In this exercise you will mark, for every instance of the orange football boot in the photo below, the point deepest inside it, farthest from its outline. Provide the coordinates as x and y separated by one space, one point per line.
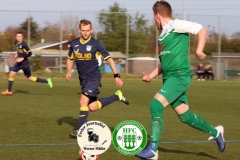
7 92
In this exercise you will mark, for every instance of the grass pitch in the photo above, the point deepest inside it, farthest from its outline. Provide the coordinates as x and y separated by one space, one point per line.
35 121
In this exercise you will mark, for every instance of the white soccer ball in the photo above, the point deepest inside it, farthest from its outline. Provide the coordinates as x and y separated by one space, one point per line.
84 156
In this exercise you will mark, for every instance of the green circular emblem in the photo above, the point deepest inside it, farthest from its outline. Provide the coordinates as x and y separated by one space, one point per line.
129 137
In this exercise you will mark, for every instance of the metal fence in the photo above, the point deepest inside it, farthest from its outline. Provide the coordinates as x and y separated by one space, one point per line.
66 23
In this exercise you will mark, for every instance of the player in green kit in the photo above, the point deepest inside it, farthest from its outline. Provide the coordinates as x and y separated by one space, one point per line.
175 67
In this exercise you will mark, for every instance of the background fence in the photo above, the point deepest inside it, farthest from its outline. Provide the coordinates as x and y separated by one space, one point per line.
132 34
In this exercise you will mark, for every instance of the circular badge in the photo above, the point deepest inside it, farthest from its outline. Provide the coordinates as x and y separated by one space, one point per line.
94 137
129 137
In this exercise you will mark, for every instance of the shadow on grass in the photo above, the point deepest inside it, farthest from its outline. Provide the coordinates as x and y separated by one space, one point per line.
26 92
69 120
202 154
73 122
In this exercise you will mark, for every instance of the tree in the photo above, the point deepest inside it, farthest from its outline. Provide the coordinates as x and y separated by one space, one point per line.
114 26
138 35
7 39
36 62
34 30
51 32
151 39
236 35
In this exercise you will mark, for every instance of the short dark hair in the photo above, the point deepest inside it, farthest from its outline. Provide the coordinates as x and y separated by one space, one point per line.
162 7
19 32
85 22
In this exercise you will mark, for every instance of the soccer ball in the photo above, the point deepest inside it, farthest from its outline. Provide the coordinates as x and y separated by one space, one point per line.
84 156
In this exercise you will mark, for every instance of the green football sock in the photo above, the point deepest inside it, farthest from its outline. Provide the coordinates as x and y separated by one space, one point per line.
197 122
156 122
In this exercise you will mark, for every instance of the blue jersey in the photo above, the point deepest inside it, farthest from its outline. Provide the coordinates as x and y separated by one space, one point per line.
22 51
86 55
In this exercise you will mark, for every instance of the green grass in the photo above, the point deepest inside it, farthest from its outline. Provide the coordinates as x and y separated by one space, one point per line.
35 114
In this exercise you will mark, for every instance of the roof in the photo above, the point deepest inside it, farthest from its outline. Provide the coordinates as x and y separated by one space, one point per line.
117 55
6 54
143 58
226 55
47 44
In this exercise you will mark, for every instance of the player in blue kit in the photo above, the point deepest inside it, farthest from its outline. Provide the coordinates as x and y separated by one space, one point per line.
22 63
85 51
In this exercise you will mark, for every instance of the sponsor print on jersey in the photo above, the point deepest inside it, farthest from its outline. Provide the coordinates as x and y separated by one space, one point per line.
164 53
160 50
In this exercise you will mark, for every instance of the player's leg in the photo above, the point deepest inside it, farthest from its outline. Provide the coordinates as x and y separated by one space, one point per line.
203 75
169 92
104 101
157 105
198 75
11 75
83 113
28 74
181 107
10 83
206 75
87 88
212 76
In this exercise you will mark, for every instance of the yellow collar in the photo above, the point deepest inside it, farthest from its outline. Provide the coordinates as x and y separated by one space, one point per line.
84 41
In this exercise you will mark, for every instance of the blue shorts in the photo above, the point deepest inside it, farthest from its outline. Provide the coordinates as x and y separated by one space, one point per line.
22 66
90 83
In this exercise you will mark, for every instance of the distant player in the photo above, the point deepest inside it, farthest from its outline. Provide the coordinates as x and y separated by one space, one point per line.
22 63
175 67
84 51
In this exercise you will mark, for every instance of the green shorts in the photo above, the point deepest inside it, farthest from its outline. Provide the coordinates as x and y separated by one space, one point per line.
174 90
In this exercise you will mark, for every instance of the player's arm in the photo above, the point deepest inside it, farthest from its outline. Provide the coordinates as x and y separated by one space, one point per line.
26 50
69 63
202 34
111 63
153 74
182 26
15 57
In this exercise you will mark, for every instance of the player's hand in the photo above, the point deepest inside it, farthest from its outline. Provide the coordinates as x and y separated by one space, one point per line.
68 76
200 56
146 78
118 82
20 59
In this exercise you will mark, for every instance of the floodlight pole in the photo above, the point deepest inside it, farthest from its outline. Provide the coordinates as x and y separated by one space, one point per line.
184 9
29 29
127 43
219 48
60 45
95 28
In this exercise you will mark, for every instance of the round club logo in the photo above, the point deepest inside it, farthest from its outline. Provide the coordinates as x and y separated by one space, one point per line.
129 137
94 137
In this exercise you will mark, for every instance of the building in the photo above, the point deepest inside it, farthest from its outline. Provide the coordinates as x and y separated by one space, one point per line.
138 65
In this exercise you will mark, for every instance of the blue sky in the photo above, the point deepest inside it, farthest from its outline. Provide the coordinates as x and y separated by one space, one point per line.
195 9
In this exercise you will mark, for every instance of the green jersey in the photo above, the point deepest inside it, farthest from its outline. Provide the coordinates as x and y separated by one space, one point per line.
173 47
